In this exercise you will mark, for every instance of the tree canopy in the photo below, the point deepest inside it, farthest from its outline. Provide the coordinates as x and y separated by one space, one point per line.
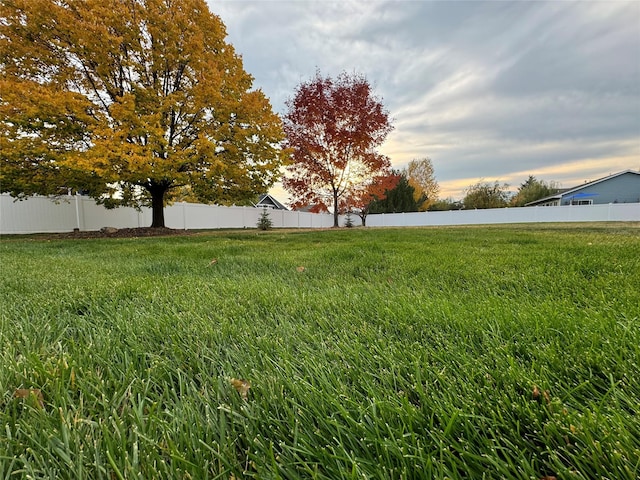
486 195
333 127
445 204
421 177
362 200
533 189
130 101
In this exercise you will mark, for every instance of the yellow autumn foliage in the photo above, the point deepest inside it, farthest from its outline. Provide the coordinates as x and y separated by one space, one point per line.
143 96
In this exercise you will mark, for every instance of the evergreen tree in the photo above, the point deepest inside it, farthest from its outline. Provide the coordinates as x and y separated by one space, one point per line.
532 190
265 222
397 200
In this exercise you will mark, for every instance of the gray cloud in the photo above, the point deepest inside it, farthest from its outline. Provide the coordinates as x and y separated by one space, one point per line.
495 90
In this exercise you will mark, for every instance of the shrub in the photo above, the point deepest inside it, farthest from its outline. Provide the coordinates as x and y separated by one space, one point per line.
264 222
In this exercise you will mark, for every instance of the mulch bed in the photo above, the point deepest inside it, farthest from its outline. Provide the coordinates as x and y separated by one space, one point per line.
120 233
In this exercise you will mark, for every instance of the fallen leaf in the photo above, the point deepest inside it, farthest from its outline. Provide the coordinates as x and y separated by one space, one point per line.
27 393
213 262
547 396
536 392
241 386
300 269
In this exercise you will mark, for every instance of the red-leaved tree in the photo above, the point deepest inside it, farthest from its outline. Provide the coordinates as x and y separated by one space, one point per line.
333 128
359 201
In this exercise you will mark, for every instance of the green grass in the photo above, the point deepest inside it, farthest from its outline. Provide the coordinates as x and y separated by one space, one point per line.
479 352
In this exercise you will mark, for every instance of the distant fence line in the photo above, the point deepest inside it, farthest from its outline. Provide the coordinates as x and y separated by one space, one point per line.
43 215
612 212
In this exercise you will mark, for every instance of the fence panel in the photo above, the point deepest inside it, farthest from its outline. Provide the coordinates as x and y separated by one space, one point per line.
94 217
37 215
623 212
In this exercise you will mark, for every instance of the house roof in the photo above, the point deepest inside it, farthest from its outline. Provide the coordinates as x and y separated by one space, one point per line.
569 191
266 200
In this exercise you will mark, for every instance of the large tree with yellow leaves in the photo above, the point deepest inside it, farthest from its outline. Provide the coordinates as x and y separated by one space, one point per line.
131 101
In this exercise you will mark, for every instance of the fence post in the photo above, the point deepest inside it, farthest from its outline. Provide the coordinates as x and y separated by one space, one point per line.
77 212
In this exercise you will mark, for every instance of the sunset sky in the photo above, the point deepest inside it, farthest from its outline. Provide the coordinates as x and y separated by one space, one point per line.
488 90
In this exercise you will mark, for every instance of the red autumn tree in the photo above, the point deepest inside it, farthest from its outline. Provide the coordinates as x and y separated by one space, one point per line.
333 128
359 201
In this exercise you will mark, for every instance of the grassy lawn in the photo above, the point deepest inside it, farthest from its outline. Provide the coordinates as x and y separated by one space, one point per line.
469 352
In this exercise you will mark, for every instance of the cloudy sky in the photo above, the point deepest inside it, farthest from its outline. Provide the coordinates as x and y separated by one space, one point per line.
494 90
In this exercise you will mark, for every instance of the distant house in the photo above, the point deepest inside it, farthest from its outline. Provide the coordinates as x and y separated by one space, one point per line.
267 201
621 187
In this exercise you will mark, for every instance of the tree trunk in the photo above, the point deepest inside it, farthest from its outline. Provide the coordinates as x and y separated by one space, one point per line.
157 206
335 209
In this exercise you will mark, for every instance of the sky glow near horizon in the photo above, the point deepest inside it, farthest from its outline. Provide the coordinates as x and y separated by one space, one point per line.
488 90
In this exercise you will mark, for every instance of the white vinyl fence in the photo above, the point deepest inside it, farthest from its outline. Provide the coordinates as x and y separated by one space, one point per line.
43 215
612 212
